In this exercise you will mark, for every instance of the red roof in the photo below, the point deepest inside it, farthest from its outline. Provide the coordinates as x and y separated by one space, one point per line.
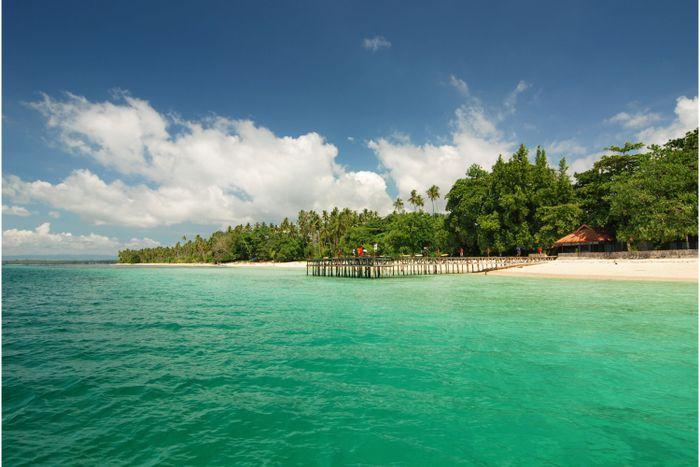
584 235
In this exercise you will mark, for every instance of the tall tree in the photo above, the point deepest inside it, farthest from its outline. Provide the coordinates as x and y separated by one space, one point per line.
658 202
594 187
416 200
398 205
467 201
433 193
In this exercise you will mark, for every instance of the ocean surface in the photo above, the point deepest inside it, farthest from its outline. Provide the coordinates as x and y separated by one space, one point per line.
114 366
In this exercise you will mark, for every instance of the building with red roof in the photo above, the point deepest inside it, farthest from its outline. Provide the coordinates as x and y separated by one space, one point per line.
586 238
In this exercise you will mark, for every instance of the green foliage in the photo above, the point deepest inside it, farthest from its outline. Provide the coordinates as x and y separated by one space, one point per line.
416 200
595 187
414 233
517 204
433 193
329 234
398 205
658 201
651 197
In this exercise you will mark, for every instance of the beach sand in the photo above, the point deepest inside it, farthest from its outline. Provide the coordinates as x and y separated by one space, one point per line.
667 269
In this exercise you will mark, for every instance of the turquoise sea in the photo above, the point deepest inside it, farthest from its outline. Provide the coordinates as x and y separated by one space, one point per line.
186 366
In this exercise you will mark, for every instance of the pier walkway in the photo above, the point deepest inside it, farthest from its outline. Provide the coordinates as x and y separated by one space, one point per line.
376 267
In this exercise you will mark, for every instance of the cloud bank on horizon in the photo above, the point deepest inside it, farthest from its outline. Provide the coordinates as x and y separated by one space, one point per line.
218 171
41 241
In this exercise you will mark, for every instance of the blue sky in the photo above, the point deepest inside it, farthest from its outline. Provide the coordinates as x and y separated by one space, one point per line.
184 117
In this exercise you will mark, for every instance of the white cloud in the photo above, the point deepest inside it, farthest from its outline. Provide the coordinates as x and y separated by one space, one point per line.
475 139
460 85
54 214
634 120
15 211
212 172
138 243
583 163
686 119
509 104
42 241
565 147
376 43
117 136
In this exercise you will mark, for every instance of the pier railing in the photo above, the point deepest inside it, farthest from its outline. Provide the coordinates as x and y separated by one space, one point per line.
383 266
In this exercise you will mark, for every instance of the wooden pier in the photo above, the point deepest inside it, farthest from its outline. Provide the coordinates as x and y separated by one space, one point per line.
376 267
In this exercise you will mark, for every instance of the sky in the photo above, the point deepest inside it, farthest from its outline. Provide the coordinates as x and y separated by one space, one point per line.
130 124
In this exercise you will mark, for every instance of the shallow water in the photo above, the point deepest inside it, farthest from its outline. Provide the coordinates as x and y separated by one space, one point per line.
194 366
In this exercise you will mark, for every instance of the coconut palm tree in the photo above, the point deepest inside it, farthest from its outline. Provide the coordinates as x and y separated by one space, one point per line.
415 199
398 205
433 194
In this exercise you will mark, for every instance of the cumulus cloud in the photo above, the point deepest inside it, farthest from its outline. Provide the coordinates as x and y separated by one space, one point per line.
459 84
634 120
565 147
686 119
42 241
215 172
375 43
475 140
584 163
15 211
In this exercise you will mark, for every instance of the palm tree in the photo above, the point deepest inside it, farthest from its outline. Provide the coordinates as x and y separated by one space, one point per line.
433 194
415 199
398 205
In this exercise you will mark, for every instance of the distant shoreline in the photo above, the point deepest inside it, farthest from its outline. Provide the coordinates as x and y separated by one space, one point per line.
662 269
235 264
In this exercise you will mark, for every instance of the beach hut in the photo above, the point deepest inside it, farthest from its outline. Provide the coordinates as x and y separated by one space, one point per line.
585 238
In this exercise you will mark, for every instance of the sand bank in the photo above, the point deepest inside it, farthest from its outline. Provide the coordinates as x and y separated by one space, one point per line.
670 269
667 269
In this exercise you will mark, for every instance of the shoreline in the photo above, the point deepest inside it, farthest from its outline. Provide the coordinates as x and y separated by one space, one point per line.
235 264
659 269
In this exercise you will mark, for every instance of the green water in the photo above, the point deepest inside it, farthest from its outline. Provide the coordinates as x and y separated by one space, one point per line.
106 365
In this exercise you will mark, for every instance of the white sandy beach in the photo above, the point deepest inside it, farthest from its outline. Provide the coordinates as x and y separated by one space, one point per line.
670 269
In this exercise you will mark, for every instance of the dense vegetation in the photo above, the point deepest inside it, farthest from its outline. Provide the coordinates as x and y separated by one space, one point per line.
649 197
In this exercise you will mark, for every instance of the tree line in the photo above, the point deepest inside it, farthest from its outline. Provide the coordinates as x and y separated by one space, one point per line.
639 195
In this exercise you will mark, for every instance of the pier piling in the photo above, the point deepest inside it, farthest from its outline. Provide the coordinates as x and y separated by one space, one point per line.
372 267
